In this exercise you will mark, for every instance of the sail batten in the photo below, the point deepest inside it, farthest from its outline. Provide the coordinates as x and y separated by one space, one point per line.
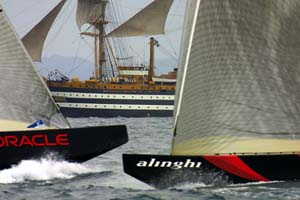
34 40
240 91
24 97
149 21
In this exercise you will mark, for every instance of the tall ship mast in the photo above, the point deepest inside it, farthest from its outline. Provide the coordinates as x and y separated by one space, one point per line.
129 90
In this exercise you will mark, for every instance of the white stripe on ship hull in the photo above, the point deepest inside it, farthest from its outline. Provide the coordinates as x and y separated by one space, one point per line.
112 96
115 106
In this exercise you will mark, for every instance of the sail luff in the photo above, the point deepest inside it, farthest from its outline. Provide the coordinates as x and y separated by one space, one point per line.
34 40
24 96
185 50
149 21
189 29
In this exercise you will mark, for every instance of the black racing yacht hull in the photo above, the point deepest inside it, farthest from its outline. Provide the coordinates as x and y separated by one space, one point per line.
162 171
74 144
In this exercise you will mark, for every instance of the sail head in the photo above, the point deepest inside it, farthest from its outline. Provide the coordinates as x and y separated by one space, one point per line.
240 85
24 96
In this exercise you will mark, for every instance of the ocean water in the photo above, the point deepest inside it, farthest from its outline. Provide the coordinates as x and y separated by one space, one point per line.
103 177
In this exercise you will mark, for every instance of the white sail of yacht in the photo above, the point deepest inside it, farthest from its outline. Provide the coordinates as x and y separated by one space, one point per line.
237 105
31 125
243 81
24 96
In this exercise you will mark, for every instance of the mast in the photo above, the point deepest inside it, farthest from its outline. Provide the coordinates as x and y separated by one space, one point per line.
153 43
95 54
101 52
93 13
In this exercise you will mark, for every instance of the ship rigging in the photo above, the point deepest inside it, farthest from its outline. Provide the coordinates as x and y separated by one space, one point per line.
116 87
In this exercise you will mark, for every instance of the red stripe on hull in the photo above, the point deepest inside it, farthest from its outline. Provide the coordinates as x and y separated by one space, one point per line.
234 165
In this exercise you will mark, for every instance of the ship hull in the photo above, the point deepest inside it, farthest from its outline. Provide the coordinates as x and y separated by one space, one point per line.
163 171
107 113
83 102
74 144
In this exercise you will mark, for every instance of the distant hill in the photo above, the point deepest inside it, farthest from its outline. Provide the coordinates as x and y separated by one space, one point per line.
84 69
69 66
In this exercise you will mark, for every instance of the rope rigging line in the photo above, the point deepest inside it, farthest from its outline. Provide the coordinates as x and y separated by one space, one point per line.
67 17
23 28
24 9
172 47
122 43
165 51
76 54
86 59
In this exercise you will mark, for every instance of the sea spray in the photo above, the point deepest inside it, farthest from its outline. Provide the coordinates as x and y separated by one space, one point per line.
42 170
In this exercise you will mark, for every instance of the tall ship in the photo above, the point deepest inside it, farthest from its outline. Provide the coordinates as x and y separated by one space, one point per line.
114 89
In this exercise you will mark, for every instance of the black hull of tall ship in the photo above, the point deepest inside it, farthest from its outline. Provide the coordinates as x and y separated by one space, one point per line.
163 171
83 102
75 144
107 113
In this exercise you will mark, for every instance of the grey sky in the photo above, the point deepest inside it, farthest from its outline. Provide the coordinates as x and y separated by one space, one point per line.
64 39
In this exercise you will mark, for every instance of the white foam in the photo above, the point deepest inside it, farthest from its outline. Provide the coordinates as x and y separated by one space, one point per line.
189 186
41 170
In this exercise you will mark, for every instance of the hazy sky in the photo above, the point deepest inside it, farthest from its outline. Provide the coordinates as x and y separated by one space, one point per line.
64 38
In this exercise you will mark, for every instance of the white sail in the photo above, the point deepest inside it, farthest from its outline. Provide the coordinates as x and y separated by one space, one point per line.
24 97
90 11
149 21
34 40
240 90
